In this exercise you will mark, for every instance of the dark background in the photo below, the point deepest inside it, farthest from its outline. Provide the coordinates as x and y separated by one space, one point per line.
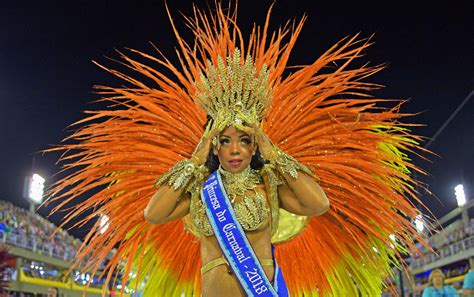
46 73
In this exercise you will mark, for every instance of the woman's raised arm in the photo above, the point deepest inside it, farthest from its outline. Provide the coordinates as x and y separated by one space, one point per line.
302 195
171 201
167 204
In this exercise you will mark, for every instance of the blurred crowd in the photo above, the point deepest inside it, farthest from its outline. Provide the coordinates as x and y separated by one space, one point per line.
458 240
29 230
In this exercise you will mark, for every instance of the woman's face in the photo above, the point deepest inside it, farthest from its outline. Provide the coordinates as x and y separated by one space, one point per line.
438 280
235 149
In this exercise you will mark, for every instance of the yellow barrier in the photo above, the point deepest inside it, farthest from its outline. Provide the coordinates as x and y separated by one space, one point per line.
58 284
43 282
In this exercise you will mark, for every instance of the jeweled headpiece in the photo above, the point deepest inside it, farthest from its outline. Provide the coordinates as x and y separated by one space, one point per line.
233 86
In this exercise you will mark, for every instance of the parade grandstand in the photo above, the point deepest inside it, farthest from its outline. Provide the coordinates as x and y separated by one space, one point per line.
451 250
40 256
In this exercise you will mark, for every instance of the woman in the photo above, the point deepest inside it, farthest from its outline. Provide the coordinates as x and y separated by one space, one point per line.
321 120
436 286
235 150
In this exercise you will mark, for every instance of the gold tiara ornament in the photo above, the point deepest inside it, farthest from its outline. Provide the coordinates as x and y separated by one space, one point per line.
234 87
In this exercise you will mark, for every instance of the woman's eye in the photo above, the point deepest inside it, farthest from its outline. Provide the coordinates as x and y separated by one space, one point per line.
223 141
246 140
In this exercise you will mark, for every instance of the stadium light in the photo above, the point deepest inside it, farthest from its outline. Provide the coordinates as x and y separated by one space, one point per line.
460 197
36 188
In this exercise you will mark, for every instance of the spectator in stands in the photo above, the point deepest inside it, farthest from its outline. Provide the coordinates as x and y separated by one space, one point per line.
436 286
468 285
52 292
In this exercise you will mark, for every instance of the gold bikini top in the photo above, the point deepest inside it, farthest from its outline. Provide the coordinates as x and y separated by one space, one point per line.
252 211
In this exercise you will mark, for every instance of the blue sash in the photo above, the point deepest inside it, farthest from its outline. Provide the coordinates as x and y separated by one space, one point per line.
234 244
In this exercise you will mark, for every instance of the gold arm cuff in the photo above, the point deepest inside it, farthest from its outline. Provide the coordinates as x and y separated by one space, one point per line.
180 175
288 164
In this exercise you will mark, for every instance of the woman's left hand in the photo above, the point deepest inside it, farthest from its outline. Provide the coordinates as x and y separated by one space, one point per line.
266 147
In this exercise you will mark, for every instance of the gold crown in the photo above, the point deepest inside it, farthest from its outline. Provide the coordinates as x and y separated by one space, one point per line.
232 87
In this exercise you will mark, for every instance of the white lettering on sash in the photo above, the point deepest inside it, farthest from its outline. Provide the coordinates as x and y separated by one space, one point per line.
212 194
234 245
220 215
256 281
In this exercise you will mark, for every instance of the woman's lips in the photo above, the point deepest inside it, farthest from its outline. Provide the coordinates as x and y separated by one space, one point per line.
235 163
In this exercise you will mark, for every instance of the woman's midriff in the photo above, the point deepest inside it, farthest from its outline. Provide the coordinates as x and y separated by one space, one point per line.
218 281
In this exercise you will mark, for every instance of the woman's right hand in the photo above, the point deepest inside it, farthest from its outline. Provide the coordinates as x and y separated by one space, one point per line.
212 131
169 203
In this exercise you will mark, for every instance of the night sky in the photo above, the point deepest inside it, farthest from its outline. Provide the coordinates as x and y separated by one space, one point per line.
46 73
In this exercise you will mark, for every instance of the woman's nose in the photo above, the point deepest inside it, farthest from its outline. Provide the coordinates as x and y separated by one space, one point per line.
234 148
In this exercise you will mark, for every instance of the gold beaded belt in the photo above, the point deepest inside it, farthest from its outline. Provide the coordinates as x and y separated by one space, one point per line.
220 261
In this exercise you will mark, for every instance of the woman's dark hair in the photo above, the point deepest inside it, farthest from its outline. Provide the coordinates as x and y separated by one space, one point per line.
212 162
